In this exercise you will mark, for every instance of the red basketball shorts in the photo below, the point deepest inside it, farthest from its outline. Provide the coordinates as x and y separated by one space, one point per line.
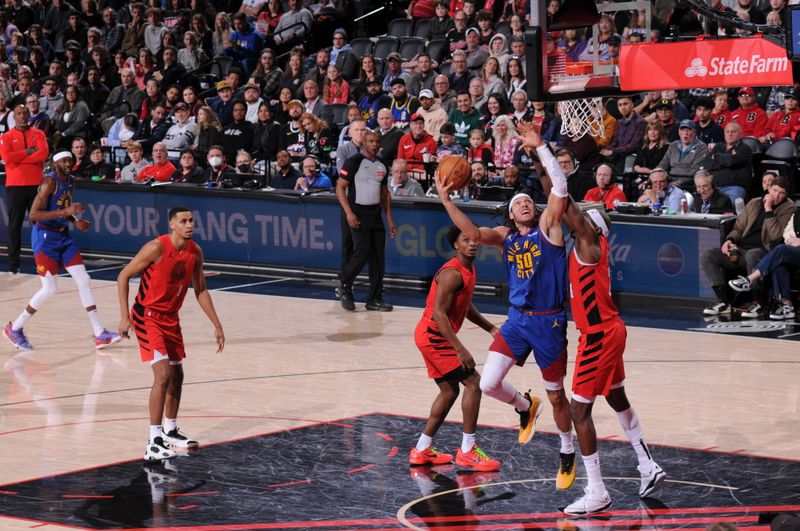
439 355
598 365
157 332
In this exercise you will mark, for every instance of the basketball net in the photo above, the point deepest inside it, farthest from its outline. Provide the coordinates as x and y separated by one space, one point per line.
582 116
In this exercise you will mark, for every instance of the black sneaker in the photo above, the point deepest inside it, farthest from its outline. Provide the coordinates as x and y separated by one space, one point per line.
379 306
346 300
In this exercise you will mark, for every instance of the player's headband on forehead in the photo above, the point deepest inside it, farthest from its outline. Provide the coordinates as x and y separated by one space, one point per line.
598 220
516 198
61 155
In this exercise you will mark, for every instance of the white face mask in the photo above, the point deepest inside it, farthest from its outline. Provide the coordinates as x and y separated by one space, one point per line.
215 162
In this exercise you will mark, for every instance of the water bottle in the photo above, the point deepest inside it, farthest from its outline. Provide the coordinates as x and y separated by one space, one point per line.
684 206
739 205
117 175
465 194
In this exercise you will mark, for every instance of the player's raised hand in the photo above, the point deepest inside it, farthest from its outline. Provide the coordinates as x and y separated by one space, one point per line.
529 134
441 188
219 335
124 327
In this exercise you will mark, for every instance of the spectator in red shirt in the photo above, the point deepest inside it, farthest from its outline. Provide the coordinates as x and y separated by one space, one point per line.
721 114
161 169
417 145
605 190
783 122
749 115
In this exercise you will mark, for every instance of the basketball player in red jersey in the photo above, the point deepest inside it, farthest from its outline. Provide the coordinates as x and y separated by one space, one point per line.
449 362
167 264
599 368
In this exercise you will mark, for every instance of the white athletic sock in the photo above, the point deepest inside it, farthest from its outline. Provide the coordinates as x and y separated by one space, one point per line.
21 320
630 423
567 444
95 320
593 476
155 431
169 424
424 442
467 442
520 403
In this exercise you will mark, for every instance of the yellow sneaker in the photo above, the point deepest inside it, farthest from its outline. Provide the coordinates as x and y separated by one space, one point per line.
566 471
527 419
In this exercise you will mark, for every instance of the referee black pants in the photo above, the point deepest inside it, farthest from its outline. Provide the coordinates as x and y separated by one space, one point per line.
20 200
369 247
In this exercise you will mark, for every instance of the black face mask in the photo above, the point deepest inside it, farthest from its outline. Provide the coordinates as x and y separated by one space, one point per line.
243 168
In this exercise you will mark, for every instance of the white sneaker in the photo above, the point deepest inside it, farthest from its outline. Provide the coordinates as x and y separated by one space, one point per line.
591 502
740 284
157 450
785 311
718 308
178 440
652 479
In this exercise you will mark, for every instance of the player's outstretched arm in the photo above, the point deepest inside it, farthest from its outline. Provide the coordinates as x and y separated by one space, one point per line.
449 283
204 299
550 221
485 235
150 253
587 242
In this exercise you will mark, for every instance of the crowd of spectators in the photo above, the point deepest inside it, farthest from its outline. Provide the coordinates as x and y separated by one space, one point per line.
192 91
132 84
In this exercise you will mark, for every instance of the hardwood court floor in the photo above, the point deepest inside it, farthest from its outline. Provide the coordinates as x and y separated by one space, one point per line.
290 362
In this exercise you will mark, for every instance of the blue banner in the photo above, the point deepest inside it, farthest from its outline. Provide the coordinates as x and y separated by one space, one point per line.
306 233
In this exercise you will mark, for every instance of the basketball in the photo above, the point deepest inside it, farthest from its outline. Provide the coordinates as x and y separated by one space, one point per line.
455 170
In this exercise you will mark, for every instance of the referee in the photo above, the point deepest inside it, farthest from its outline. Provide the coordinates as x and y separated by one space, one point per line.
363 192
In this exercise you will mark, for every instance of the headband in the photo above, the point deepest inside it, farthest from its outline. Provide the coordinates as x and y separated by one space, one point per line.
516 198
62 155
598 220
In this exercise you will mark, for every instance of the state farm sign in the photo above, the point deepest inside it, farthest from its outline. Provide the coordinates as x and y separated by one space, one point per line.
704 64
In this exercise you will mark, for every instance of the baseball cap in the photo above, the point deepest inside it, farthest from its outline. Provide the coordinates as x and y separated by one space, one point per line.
746 90
72 45
686 124
472 30
374 81
664 104
794 93
426 93
398 81
394 56
252 86
181 106
417 117
222 85
614 40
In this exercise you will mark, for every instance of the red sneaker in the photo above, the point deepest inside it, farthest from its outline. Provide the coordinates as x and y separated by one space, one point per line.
477 459
429 456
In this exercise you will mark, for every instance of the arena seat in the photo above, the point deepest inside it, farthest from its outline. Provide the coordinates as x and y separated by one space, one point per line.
410 47
221 65
781 156
361 46
385 45
436 49
400 27
421 27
